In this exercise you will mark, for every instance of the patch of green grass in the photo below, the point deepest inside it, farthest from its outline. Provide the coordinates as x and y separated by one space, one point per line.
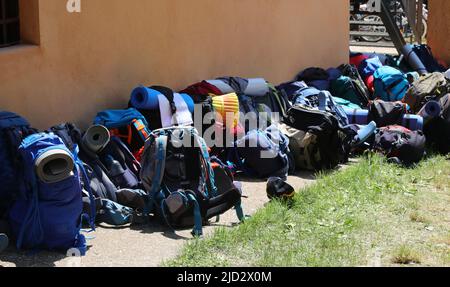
342 220
405 255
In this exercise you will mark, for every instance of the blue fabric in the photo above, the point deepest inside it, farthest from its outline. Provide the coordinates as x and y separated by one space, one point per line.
53 223
390 84
345 103
368 67
118 118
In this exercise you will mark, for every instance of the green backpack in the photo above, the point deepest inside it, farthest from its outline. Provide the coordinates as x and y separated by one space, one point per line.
349 89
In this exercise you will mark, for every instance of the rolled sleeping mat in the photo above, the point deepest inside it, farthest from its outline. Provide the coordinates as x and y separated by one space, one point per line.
96 138
143 98
54 165
257 87
413 122
357 116
431 110
222 86
413 60
227 104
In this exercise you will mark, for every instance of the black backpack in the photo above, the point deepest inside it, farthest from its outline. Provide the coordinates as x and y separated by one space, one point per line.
327 145
400 144
437 130
179 177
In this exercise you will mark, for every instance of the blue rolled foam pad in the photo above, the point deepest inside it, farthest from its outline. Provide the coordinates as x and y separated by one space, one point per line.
431 110
144 98
357 116
413 122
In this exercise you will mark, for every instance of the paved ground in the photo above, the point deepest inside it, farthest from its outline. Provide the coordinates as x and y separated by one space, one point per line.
378 50
144 245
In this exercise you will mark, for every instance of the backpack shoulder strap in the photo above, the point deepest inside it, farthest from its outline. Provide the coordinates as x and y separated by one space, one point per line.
160 164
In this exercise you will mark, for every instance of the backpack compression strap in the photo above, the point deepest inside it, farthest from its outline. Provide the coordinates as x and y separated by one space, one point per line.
87 183
207 171
160 164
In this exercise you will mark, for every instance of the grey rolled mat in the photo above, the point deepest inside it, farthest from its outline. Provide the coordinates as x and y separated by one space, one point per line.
96 138
54 166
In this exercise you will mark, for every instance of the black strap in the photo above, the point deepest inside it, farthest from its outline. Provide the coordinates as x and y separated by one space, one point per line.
168 93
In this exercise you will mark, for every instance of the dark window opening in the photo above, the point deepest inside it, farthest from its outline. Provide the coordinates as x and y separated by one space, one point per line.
9 23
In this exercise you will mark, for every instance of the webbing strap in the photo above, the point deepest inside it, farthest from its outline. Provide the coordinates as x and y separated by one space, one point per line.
198 229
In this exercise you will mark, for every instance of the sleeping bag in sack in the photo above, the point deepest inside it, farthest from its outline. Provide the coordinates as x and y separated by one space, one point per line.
400 144
48 215
178 175
262 154
315 138
428 87
13 129
437 130
129 125
390 84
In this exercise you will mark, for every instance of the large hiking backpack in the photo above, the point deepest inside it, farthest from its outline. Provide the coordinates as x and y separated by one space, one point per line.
262 153
315 138
129 125
400 144
426 88
344 87
359 84
315 99
13 129
437 130
162 107
390 84
49 213
177 174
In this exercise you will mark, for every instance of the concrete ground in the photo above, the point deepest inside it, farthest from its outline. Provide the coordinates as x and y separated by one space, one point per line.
377 50
144 246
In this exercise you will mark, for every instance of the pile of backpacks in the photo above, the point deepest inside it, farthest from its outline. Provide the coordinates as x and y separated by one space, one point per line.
174 156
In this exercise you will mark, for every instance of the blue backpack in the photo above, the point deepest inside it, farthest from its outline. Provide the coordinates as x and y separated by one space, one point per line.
390 84
129 125
48 214
13 129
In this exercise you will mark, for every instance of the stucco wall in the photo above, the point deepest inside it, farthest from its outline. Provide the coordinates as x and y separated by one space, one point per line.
91 60
439 29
